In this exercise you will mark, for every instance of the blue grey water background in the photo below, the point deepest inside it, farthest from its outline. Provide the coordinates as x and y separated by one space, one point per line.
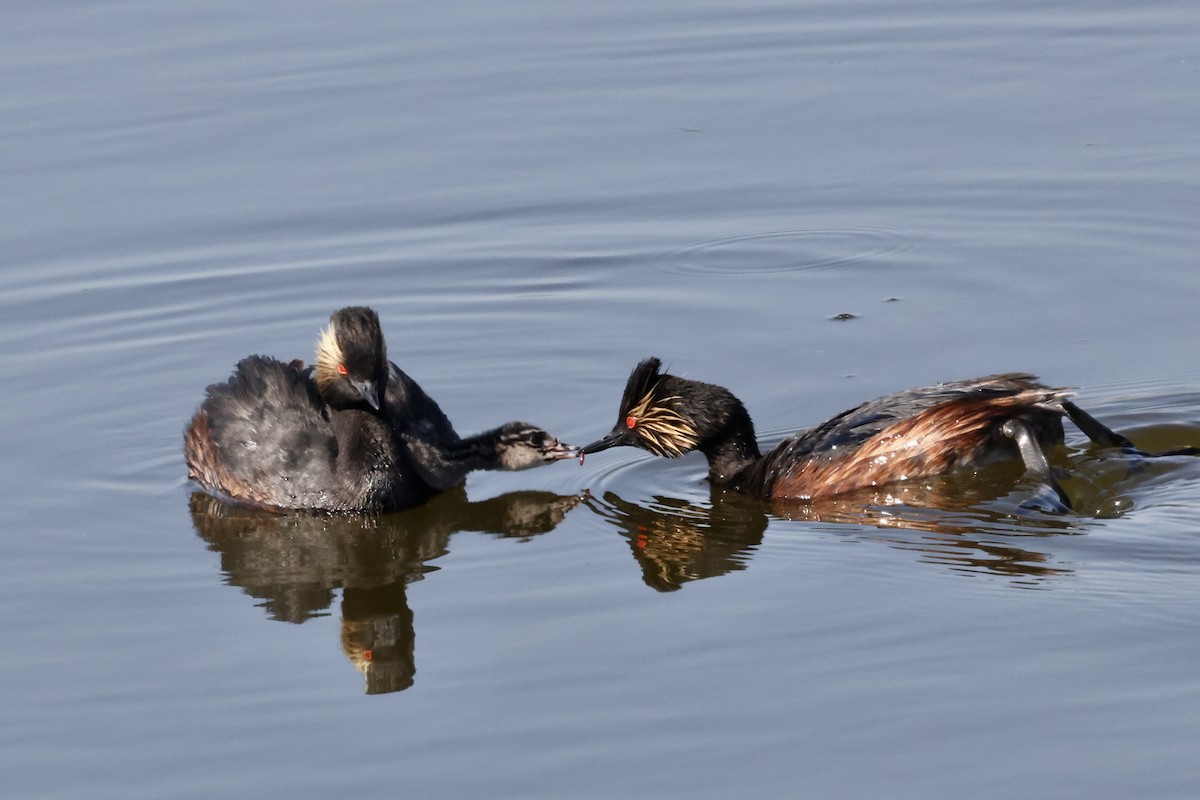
535 195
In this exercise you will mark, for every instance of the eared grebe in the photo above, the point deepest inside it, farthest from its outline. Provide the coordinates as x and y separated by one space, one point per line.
911 434
350 433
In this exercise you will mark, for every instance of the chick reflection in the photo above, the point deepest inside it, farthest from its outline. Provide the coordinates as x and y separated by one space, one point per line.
294 564
955 522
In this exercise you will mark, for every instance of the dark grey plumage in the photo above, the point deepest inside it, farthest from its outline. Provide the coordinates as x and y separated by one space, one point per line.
351 433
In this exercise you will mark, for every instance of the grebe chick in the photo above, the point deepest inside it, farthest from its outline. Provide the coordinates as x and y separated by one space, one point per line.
442 458
907 435
335 436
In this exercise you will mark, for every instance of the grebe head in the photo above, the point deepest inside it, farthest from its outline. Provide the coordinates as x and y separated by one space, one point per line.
351 368
666 415
521 446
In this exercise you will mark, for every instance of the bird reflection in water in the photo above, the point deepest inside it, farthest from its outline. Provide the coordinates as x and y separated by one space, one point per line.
294 564
960 523
957 522
675 541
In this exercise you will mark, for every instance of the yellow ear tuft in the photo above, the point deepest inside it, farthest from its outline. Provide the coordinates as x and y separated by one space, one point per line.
663 430
329 357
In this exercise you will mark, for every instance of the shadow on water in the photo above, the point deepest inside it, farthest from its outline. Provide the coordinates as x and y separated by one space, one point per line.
294 564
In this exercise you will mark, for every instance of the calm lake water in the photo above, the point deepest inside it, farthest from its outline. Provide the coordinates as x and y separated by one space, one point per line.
535 196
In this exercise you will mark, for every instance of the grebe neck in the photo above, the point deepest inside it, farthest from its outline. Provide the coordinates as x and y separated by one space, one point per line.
480 451
731 448
445 462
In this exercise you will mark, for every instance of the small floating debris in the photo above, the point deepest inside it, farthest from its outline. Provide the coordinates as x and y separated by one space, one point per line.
843 317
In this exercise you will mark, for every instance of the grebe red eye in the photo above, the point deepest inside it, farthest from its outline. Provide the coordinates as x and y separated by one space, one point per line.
630 422
342 369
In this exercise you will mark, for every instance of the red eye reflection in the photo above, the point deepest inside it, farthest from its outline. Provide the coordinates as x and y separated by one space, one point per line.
342 369
630 422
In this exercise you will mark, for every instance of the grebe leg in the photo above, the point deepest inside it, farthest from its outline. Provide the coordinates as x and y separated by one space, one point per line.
1101 435
1034 458
1095 430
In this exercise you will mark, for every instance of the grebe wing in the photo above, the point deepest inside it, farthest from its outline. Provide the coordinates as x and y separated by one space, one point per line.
412 412
848 430
424 430
271 424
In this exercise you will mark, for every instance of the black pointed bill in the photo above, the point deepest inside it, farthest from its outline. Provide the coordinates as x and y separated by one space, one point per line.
614 439
368 392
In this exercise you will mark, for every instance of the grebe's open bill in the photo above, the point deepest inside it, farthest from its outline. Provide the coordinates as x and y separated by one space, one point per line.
614 439
561 451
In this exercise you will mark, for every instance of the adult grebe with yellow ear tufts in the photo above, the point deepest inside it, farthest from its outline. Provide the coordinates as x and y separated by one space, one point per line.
903 436
350 433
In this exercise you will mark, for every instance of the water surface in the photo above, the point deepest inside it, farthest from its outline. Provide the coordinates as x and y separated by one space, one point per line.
535 196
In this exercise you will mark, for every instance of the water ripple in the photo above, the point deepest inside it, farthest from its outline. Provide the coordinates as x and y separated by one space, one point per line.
782 251
633 473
